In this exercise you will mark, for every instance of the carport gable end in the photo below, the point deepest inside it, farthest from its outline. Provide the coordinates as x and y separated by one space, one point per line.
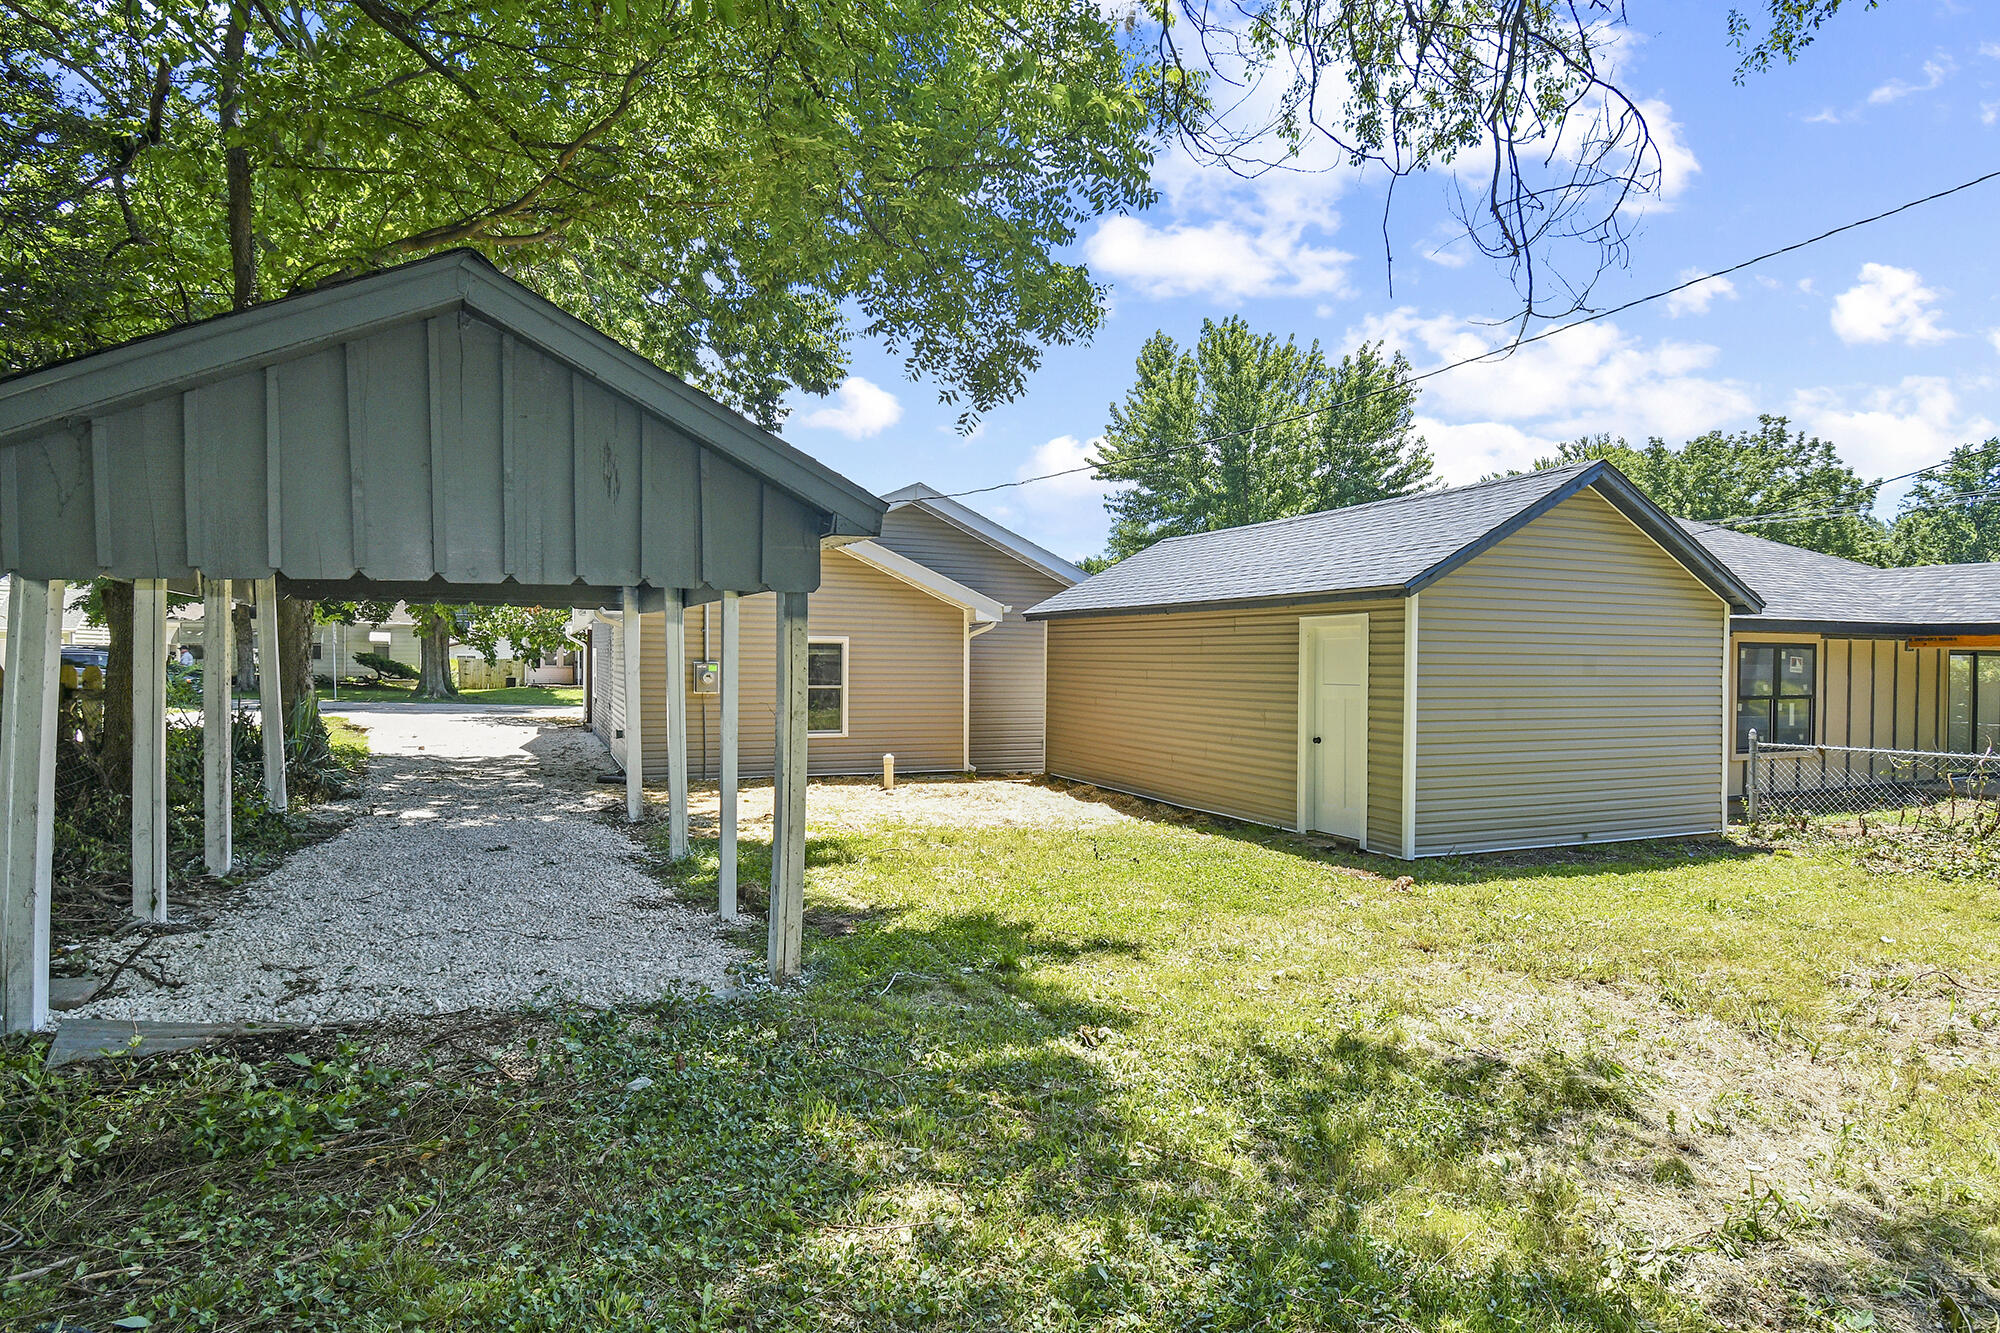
434 432
433 423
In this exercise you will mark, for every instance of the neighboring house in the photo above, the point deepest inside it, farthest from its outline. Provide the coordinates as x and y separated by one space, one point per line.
889 670
1845 654
1008 660
1526 662
75 630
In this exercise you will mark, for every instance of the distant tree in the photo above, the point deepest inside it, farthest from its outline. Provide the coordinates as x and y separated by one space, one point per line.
1952 515
535 633
1792 486
1245 428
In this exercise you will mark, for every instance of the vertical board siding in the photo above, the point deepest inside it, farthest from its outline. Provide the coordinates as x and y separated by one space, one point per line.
1873 694
1569 689
905 679
1007 697
1201 708
441 447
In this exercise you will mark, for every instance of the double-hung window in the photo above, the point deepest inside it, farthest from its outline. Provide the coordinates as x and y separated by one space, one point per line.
826 687
1775 688
1972 703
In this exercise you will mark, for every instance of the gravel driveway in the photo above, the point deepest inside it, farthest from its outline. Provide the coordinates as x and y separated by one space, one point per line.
478 874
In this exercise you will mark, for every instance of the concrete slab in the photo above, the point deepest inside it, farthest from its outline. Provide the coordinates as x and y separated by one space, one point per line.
95 1038
69 992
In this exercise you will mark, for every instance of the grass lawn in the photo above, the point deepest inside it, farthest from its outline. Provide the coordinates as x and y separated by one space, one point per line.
547 696
1161 1074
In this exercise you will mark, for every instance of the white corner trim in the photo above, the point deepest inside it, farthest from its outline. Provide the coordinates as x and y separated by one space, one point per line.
925 579
1410 727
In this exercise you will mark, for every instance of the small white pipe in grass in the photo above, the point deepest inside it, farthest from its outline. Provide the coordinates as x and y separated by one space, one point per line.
888 772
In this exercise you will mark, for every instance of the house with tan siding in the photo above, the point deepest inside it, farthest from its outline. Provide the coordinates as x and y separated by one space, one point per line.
1008 660
1527 662
916 647
1844 656
888 670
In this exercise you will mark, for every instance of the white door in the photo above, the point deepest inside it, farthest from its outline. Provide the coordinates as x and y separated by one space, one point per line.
1336 737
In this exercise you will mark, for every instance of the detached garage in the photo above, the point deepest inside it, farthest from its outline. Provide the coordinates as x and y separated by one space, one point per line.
1526 662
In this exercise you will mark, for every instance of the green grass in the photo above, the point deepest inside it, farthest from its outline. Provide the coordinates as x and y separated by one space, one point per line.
547 696
1159 1075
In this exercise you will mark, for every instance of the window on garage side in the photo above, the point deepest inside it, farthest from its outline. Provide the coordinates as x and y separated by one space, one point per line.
826 687
1776 685
1972 699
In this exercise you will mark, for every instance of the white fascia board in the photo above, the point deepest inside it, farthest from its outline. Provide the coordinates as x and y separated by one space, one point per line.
923 577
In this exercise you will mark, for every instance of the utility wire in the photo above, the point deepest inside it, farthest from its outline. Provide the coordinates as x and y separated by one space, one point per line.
1517 343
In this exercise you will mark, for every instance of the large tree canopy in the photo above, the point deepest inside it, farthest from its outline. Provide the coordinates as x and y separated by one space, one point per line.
722 190
1771 481
1952 515
1243 428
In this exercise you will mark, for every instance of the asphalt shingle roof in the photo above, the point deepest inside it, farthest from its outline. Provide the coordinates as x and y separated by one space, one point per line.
1389 546
1805 587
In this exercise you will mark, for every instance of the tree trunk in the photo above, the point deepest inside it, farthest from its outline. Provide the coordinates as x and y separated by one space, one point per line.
240 204
295 637
114 741
434 678
243 672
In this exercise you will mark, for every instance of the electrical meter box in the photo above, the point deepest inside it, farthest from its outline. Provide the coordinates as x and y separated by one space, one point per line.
707 677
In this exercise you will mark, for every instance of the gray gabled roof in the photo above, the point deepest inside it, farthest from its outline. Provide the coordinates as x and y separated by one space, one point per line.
977 525
1808 591
1389 548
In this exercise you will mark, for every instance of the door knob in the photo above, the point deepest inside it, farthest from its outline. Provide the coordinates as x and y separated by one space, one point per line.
1315 740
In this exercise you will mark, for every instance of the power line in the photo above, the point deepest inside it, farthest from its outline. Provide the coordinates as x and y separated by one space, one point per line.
1518 343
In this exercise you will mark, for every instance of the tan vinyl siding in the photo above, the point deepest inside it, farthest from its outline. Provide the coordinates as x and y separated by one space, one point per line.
1201 709
905 680
1007 702
1569 690
1872 694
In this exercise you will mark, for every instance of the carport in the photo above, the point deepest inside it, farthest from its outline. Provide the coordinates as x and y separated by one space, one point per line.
433 432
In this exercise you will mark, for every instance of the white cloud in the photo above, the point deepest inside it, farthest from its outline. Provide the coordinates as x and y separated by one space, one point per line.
860 408
1936 71
1824 116
1993 337
1990 50
1064 513
1678 165
1890 429
1592 378
1219 260
1887 304
1989 113
1495 415
1697 299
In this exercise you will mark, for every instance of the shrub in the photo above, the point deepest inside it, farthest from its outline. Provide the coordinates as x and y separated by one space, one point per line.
385 666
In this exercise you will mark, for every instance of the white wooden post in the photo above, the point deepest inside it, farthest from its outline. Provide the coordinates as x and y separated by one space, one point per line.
218 659
788 792
635 735
270 694
28 786
725 876
149 749
677 728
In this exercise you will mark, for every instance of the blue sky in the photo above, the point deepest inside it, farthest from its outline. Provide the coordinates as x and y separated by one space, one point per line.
1885 341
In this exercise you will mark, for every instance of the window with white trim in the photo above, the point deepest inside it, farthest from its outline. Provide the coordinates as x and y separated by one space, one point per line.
826 687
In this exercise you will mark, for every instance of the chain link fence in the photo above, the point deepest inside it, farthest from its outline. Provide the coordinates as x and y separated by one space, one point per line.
1857 791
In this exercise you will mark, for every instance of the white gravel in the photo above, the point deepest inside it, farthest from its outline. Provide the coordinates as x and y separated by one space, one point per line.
478 875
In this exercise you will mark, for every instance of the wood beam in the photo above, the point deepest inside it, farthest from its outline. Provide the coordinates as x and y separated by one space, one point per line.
788 793
271 694
677 728
218 792
28 799
635 732
732 707
149 749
